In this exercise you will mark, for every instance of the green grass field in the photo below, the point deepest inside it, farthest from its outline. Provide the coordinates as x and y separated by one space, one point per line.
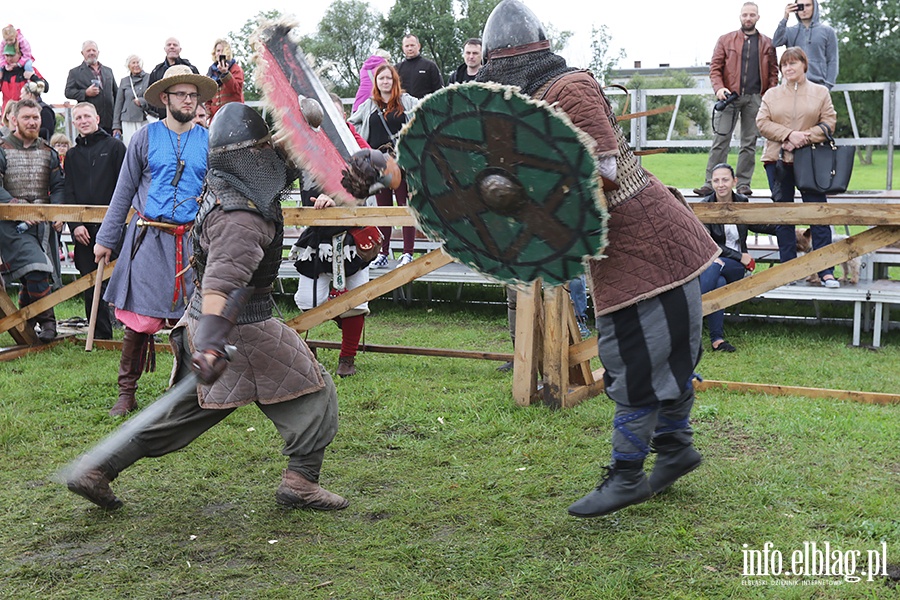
455 492
687 170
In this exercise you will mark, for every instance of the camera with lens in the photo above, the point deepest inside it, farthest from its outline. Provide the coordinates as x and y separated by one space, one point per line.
721 104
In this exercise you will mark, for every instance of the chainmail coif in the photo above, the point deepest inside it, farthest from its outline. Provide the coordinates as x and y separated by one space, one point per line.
258 174
527 71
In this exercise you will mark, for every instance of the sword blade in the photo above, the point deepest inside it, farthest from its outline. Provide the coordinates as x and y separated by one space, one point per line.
284 75
118 439
289 58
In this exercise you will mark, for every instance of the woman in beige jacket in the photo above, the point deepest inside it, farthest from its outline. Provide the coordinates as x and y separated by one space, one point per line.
788 118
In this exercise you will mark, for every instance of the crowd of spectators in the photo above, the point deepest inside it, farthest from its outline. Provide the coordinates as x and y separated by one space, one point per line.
744 76
743 72
106 118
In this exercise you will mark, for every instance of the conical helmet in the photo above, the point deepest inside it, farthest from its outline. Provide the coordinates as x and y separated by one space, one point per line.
513 29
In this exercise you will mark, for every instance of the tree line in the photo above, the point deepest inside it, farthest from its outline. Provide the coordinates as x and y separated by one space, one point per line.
868 36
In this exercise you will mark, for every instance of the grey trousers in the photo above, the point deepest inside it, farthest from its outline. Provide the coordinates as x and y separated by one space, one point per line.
649 352
307 425
743 109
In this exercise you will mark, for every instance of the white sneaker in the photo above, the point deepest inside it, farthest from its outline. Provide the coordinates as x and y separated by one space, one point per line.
379 263
831 283
405 259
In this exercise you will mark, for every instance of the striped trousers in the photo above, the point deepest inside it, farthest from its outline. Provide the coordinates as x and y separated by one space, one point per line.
649 352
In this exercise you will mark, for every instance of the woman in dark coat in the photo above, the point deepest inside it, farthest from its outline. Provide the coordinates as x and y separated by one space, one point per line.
735 261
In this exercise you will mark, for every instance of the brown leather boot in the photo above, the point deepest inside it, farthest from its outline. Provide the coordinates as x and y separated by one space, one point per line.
130 367
94 485
346 368
296 491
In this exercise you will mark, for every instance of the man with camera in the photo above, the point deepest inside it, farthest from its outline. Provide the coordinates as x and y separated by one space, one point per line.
743 67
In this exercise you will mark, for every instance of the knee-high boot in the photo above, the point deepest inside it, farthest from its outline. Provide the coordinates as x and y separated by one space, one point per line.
134 346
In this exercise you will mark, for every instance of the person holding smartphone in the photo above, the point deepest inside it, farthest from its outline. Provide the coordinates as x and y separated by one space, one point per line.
229 76
817 40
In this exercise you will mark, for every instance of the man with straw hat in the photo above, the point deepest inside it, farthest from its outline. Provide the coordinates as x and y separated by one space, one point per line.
161 179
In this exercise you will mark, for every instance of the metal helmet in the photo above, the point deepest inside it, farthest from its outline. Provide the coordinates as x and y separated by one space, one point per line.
512 29
235 126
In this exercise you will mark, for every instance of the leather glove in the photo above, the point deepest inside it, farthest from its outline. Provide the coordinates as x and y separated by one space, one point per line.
210 357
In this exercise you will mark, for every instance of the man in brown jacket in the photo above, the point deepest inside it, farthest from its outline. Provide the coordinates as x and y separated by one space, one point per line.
743 67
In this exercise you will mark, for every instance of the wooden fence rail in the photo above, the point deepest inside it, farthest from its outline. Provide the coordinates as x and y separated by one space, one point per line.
884 218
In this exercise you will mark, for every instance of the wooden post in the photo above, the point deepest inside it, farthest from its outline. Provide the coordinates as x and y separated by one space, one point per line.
579 370
529 344
17 317
556 346
95 305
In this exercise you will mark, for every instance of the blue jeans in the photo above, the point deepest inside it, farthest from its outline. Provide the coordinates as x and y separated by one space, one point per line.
783 191
714 277
578 293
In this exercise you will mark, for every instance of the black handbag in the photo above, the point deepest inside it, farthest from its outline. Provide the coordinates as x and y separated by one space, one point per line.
823 168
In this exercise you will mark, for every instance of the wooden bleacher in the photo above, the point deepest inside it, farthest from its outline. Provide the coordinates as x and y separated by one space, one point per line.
872 297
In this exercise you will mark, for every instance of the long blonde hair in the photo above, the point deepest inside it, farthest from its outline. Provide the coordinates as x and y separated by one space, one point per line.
226 50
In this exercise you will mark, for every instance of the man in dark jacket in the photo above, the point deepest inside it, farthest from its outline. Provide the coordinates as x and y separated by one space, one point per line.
743 63
93 169
472 59
418 75
92 82
173 57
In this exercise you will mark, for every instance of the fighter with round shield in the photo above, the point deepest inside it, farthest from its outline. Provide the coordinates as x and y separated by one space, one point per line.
645 288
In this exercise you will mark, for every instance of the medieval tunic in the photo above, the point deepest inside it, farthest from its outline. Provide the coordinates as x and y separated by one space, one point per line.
646 292
272 364
148 278
316 250
655 242
29 175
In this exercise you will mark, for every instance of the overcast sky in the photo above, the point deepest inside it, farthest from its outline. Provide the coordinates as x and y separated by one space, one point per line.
652 31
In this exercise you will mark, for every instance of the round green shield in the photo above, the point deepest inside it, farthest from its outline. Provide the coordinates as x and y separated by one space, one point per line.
508 184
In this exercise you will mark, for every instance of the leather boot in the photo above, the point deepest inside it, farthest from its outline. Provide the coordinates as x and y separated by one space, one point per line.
346 368
673 460
47 320
296 491
94 485
130 367
623 484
